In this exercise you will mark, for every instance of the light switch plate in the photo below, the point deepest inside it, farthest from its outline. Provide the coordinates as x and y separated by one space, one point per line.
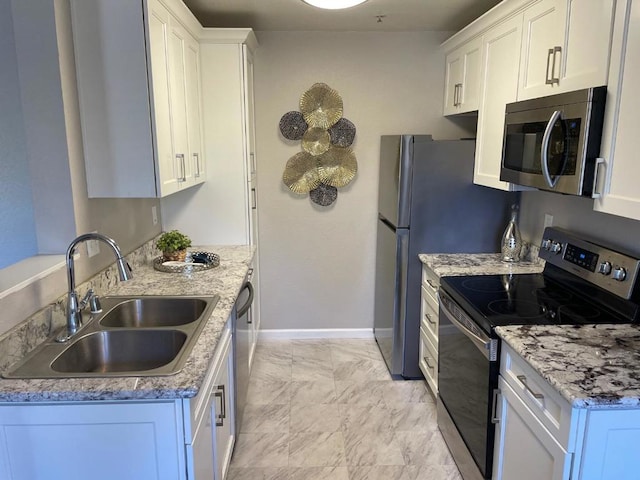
548 220
93 248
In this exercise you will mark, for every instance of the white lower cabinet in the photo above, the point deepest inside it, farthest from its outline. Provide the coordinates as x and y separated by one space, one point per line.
212 418
126 440
429 328
100 441
539 435
527 451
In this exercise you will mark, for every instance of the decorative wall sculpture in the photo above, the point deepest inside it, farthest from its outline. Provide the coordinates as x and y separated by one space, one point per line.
326 162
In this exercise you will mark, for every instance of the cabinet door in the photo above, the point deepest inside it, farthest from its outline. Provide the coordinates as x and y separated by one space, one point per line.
610 447
524 448
159 19
194 110
499 87
178 95
92 440
622 123
565 46
585 61
453 80
223 414
541 53
462 80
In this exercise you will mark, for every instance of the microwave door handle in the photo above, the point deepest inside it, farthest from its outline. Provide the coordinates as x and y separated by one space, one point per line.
544 149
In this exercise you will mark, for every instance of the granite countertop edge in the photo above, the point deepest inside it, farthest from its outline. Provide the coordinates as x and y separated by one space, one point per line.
225 280
457 264
590 366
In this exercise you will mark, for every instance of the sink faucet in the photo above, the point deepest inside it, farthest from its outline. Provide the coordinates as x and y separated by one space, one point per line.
74 308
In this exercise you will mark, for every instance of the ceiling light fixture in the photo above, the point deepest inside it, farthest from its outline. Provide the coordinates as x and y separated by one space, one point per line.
334 4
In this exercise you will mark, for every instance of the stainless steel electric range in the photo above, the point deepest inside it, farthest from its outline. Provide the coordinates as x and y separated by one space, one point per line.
583 282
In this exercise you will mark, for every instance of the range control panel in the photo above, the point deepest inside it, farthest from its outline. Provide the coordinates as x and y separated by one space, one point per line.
609 269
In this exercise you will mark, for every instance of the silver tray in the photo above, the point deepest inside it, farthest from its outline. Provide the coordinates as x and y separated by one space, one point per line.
212 260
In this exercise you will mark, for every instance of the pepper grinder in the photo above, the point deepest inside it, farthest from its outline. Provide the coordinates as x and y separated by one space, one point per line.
511 246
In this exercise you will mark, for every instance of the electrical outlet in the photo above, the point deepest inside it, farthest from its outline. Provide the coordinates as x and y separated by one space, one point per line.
154 215
548 220
93 247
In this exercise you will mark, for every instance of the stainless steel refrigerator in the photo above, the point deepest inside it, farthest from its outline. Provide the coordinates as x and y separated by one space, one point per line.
427 203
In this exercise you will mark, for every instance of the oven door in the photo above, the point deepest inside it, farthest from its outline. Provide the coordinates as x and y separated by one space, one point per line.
467 381
545 148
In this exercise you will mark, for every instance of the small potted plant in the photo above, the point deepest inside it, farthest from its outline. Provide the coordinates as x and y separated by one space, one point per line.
173 245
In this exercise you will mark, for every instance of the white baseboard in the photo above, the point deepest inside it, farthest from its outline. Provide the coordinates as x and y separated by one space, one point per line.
284 334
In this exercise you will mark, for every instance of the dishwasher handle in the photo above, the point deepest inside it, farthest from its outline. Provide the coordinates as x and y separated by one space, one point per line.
245 308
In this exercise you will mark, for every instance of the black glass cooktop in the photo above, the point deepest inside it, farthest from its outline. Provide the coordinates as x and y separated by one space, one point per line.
530 299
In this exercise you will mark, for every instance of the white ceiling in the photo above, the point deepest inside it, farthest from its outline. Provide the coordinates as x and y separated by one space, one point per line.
295 15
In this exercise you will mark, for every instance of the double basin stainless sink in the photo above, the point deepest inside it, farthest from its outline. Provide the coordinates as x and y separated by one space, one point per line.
134 336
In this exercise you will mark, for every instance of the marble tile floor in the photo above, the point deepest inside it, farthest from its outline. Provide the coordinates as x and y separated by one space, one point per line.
328 410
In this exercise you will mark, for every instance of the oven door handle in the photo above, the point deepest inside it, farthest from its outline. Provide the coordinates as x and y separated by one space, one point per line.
485 344
544 150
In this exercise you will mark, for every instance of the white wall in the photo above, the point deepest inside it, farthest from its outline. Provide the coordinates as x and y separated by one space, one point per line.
317 264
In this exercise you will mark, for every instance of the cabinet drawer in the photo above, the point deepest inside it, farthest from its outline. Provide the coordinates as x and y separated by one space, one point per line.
544 401
429 317
429 361
430 284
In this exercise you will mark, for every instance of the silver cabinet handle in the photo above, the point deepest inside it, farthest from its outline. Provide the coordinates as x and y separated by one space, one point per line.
554 79
183 176
219 393
459 94
252 156
196 159
548 79
432 285
544 149
428 317
254 200
595 193
523 380
429 366
494 409
456 94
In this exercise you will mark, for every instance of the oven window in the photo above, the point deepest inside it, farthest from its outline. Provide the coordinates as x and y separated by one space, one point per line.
523 144
466 380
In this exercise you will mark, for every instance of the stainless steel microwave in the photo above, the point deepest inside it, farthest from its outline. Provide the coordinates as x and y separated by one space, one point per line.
553 143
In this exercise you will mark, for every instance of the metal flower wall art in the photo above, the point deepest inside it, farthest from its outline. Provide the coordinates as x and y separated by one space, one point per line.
326 161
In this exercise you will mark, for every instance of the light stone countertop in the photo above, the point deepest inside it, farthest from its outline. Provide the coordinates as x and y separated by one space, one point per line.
592 366
225 280
457 264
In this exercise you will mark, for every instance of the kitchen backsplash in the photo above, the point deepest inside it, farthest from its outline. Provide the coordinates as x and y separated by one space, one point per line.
17 342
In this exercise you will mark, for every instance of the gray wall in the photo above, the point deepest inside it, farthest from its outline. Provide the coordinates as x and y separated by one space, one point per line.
54 145
317 264
576 214
16 206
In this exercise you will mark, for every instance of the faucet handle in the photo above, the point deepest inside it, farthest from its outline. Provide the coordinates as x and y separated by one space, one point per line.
92 299
94 304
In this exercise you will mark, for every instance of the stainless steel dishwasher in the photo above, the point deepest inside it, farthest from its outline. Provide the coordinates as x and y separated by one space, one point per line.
242 341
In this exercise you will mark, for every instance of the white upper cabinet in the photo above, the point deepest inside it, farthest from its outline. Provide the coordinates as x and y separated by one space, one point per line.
501 45
139 94
565 46
462 78
621 196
